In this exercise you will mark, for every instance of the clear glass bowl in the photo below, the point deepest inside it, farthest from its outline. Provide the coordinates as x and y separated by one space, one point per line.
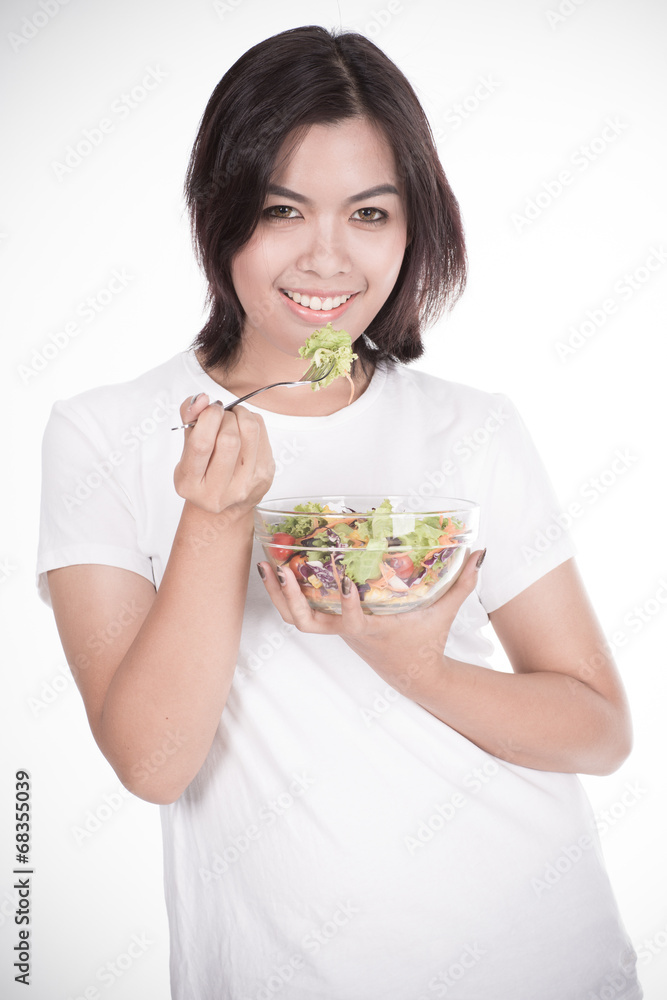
399 561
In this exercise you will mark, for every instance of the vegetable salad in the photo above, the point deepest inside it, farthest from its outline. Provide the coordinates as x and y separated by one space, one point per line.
389 556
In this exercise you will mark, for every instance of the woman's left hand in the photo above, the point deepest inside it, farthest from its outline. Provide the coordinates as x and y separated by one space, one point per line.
404 648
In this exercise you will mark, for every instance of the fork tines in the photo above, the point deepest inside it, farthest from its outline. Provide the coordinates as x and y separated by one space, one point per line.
319 370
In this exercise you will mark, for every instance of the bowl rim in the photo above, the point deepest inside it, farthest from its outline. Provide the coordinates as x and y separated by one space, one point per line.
465 506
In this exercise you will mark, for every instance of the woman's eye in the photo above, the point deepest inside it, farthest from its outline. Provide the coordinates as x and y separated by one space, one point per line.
370 215
281 212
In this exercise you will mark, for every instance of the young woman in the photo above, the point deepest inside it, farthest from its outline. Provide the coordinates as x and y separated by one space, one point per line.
353 806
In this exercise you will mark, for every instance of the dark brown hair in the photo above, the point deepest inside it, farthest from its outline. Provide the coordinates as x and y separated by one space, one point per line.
280 87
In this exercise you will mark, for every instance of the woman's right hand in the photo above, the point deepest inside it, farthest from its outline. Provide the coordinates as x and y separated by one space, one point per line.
227 462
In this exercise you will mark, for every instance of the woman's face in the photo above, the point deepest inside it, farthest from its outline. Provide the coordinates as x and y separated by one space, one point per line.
332 236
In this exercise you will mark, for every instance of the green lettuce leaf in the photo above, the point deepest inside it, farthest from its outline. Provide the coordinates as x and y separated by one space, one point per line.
327 345
364 564
299 527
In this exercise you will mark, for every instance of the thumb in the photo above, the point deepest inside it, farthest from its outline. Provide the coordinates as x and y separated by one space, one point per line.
467 579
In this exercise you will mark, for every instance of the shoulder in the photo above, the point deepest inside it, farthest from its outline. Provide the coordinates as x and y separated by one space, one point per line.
110 410
454 400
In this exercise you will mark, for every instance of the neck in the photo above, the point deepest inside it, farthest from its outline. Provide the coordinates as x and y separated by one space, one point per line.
243 378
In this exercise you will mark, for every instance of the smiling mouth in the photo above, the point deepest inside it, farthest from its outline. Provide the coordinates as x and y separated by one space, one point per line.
315 302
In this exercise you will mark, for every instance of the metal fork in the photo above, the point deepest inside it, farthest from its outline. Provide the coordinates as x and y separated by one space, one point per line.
314 374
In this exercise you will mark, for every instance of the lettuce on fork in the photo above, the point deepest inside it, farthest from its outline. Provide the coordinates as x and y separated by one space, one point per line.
327 345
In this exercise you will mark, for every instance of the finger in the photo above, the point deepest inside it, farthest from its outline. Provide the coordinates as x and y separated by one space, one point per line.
192 407
274 590
227 447
200 441
352 614
249 435
468 577
299 610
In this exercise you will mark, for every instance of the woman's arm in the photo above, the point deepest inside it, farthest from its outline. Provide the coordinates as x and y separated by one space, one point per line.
155 670
563 708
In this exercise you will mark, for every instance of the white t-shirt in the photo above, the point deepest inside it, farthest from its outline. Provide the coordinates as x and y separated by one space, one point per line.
339 841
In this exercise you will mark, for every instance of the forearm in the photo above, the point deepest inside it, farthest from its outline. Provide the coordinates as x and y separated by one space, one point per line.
165 700
545 720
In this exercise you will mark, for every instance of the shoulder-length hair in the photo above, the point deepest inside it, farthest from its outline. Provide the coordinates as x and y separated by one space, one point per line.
281 87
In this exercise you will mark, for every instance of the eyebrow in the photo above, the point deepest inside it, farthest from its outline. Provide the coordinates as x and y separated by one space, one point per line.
373 192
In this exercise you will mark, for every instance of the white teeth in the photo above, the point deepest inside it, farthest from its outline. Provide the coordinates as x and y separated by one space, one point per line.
315 302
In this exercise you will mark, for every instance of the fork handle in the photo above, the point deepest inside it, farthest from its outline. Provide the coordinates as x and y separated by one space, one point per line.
256 392
241 399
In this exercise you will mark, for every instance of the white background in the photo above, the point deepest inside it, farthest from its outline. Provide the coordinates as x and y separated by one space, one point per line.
552 82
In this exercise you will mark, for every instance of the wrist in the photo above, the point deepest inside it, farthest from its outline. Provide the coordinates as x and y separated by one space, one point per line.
230 517
201 531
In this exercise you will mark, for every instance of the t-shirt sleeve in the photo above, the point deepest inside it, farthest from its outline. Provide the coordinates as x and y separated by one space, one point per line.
86 514
521 521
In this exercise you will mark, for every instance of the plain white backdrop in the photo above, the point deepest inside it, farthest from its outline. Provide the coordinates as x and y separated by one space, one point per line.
549 116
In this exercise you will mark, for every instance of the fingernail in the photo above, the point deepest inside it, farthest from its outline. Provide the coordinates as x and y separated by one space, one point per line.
481 559
281 576
194 400
346 586
261 572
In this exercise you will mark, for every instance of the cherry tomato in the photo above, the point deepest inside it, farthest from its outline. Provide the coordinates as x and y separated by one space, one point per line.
401 564
282 539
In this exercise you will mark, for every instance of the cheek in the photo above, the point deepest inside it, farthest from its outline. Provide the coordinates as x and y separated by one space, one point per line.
387 262
250 269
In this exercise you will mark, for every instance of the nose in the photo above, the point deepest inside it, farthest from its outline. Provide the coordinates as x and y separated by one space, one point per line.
324 251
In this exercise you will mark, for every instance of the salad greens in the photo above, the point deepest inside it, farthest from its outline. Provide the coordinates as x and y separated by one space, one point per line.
389 555
328 345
